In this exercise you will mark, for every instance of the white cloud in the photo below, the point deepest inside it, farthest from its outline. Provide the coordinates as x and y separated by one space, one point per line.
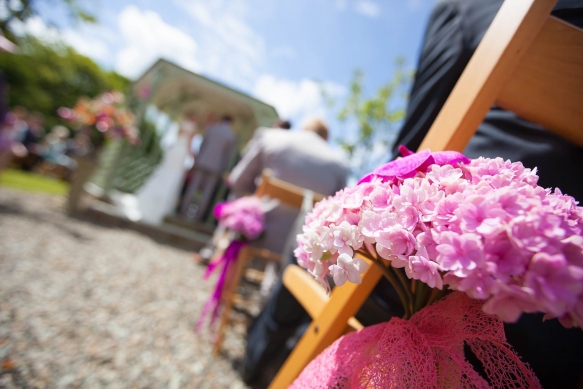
81 41
233 50
87 45
368 8
138 40
146 38
293 100
36 27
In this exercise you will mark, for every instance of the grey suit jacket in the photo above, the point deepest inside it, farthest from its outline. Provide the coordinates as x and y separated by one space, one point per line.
216 149
301 158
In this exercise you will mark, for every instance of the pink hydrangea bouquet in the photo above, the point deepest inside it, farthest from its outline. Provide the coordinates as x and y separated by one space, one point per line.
482 227
244 218
440 222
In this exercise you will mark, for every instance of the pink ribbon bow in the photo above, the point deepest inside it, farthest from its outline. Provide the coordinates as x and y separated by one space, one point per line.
411 163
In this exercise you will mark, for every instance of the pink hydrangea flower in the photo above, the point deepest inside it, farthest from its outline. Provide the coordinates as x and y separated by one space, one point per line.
459 253
397 241
510 301
244 215
317 241
420 267
555 283
346 239
348 269
480 226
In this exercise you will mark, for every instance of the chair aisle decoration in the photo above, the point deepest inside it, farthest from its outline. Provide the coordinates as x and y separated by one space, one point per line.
466 244
244 219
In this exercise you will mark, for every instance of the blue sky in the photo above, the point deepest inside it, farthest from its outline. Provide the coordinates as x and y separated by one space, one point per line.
275 50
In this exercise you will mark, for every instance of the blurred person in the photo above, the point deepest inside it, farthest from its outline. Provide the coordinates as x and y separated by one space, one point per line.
7 129
20 124
453 33
54 151
205 254
31 139
302 158
158 196
5 146
305 159
55 143
9 145
195 144
212 160
283 124
279 124
12 133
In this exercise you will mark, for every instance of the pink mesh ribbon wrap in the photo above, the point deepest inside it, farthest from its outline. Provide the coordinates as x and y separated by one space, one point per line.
423 352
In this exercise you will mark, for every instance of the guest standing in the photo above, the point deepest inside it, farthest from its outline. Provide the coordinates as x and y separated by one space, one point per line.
216 151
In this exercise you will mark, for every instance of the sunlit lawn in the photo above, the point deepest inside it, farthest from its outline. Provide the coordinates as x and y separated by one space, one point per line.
32 182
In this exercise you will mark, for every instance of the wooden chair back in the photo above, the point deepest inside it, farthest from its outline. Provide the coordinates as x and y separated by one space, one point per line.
310 294
284 192
527 62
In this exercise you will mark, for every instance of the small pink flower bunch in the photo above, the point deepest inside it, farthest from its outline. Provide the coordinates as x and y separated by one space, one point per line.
245 215
479 226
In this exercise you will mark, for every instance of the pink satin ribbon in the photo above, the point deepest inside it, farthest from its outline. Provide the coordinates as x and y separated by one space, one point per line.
226 261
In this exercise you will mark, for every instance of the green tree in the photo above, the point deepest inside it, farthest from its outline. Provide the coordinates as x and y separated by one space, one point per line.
43 77
373 119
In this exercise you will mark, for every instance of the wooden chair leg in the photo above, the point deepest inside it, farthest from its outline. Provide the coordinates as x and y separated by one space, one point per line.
229 292
329 326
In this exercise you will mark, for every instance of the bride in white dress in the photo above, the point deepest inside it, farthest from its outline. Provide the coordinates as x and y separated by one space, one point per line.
159 195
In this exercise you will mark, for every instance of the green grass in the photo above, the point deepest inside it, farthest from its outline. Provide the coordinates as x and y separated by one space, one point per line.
32 182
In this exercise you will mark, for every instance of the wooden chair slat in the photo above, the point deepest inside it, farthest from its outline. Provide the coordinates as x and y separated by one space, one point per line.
547 87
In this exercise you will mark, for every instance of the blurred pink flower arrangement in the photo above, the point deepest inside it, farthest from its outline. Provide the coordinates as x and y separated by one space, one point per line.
244 216
434 221
105 115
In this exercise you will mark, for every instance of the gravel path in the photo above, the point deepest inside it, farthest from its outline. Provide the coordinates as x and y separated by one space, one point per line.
90 306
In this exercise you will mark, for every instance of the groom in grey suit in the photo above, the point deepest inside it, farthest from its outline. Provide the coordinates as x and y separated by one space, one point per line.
212 161
302 158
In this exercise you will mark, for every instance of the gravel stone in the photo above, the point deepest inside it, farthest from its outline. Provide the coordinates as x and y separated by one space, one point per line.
86 305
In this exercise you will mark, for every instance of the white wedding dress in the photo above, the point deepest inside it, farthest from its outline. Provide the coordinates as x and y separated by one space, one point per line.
159 195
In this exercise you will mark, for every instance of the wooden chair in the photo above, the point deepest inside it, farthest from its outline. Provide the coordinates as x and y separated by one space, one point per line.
311 295
286 193
528 62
